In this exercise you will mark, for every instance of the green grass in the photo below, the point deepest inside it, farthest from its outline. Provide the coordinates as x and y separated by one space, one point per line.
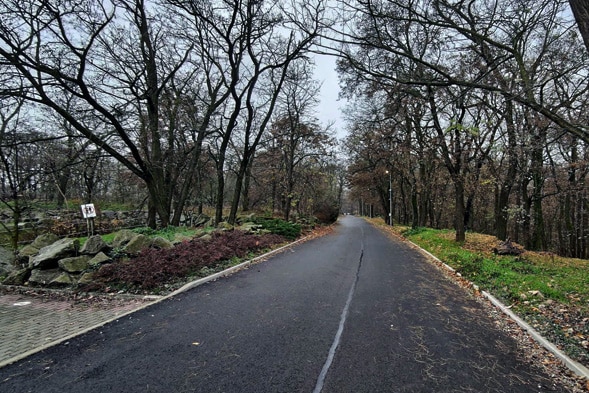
507 277
167 233
550 292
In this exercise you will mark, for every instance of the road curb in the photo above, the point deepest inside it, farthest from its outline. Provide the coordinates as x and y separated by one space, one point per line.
231 270
572 365
186 287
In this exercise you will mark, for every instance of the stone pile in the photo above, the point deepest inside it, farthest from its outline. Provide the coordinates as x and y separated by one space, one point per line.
53 262
44 220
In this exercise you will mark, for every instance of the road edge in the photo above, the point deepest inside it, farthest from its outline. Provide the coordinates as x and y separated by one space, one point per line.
184 288
571 364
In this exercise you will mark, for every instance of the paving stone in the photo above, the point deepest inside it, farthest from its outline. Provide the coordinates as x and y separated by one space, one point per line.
29 322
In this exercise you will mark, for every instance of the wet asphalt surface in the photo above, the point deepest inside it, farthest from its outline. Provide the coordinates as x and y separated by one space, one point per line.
353 311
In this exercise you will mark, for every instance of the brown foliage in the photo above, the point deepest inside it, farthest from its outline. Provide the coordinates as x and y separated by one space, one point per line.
153 268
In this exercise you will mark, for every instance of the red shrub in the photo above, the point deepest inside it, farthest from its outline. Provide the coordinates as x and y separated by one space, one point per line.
155 267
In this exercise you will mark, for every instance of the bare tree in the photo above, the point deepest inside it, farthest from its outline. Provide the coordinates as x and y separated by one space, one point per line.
296 132
510 40
102 67
19 165
518 55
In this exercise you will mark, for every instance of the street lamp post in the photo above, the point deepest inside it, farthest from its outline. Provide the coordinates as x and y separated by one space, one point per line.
390 198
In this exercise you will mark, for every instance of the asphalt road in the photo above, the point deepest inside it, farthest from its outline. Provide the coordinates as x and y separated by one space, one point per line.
353 311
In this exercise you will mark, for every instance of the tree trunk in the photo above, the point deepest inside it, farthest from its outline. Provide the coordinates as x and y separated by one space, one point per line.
460 211
62 184
192 172
237 192
245 202
160 203
221 173
581 12
414 207
501 215
537 158
504 191
220 194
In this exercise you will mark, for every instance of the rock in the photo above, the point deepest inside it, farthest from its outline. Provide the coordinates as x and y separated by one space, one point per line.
74 264
137 244
7 260
44 240
123 237
99 259
28 251
536 294
18 277
160 243
62 280
179 238
108 214
43 277
249 227
224 226
86 278
48 256
94 245
508 248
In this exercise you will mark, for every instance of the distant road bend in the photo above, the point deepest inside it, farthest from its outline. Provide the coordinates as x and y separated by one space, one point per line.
353 311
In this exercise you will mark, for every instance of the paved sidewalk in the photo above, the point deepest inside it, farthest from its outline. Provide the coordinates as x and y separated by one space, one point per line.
31 322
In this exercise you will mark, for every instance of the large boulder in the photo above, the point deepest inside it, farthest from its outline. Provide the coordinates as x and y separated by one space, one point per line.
49 255
7 260
137 244
99 259
74 264
25 254
86 278
17 277
64 279
28 251
44 240
160 243
94 245
44 277
224 226
123 237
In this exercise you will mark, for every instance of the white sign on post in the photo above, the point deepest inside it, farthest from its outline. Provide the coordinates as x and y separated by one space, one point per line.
88 211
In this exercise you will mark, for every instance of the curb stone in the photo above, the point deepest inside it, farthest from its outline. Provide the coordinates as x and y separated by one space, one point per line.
154 299
572 365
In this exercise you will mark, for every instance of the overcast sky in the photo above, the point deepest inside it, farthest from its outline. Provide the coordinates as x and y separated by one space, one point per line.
329 107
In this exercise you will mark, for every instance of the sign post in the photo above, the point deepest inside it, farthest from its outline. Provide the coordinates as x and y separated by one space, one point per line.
89 212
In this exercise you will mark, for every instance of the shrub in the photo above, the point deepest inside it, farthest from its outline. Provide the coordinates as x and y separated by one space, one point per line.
153 268
326 213
280 227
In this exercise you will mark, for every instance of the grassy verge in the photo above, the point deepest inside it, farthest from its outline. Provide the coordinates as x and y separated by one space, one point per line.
550 292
